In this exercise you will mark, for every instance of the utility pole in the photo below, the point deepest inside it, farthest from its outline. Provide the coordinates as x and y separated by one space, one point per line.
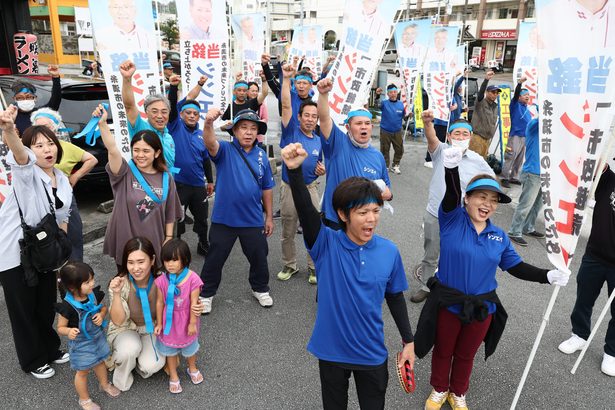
464 19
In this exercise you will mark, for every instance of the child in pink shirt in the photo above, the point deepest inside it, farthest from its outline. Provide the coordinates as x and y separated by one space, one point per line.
177 328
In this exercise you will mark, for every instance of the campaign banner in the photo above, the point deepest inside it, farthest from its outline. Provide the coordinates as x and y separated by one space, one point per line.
124 30
366 26
411 40
5 173
418 106
505 121
204 48
249 31
307 43
526 63
440 66
576 99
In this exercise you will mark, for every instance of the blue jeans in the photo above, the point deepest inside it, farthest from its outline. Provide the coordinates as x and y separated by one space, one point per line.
590 279
530 203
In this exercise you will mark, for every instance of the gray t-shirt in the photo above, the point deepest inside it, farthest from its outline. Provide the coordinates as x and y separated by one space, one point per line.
471 165
134 212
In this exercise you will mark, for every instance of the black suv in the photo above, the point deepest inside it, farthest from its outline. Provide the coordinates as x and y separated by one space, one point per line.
79 98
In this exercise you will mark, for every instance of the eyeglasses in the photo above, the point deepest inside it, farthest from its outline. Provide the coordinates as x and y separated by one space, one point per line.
25 97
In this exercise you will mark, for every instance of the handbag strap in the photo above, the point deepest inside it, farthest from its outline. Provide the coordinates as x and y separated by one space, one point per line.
247 164
51 207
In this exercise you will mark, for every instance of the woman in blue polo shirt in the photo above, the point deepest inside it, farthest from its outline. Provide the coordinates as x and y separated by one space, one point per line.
357 271
463 309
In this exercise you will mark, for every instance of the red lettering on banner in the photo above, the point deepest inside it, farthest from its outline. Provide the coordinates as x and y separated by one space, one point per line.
335 104
567 207
570 125
572 178
198 50
213 51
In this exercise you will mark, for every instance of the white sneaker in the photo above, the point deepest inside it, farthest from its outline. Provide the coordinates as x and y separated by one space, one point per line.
572 345
43 372
608 365
396 169
206 304
263 299
428 164
62 359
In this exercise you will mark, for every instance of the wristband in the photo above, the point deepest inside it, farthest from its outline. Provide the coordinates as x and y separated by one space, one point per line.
200 84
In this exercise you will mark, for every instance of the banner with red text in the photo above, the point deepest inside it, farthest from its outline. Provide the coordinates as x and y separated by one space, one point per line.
366 26
576 98
249 35
526 63
124 30
307 43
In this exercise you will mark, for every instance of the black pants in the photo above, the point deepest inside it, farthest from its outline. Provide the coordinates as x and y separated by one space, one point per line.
253 244
441 134
371 386
590 280
194 198
31 313
75 232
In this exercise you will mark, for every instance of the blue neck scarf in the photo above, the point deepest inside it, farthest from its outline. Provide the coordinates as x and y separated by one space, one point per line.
147 187
172 291
143 296
90 308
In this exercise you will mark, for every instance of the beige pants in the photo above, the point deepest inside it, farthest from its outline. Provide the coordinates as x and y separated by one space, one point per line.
290 222
480 145
131 349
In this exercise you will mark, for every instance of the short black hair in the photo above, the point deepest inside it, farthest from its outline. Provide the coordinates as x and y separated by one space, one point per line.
251 83
308 103
176 249
74 274
30 135
355 192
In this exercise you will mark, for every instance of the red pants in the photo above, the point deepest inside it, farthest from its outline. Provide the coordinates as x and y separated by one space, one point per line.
454 350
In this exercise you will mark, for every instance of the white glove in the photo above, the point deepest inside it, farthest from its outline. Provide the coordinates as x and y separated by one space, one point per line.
557 277
451 157
382 186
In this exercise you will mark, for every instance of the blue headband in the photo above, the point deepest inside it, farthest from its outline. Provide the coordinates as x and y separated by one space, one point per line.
240 84
358 113
460 125
304 77
484 182
24 90
362 202
51 117
191 105
523 92
392 89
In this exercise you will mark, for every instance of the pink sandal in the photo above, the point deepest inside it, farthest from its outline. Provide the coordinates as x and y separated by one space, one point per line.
111 390
88 405
196 377
175 387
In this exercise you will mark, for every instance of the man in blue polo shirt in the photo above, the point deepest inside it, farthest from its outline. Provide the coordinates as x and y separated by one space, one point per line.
350 154
157 108
459 135
243 192
192 160
391 127
298 129
520 116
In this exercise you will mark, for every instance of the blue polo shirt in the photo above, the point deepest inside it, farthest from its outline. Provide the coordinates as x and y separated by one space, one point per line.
347 160
238 196
190 152
392 115
532 155
168 145
468 261
352 281
312 145
520 116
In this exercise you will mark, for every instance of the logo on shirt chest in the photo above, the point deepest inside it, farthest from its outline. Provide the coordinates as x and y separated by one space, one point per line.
370 170
495 237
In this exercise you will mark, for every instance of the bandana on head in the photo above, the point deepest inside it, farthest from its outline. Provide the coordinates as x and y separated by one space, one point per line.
460 125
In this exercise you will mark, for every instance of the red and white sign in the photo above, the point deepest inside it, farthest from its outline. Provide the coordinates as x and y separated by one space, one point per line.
499 34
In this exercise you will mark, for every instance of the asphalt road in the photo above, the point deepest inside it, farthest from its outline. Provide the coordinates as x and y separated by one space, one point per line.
256 358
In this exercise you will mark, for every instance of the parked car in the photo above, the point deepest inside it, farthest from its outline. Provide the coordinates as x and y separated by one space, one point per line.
173 57
390 56
79 98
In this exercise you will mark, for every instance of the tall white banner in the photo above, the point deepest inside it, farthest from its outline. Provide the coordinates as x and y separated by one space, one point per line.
526 63
411 40
576 67
440 66
204 46
124 30
307 42
5 173
366 25
249 35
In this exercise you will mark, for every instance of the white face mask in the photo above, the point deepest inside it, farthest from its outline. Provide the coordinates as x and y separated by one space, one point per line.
26 105
463 144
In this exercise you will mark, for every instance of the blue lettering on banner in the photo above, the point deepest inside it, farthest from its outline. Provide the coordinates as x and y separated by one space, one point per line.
365 43
141 60
597 74
249 54
117 59
351 37
564 77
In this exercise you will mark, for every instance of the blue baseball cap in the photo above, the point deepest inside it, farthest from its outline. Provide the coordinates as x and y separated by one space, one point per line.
167 65
494 88
489 184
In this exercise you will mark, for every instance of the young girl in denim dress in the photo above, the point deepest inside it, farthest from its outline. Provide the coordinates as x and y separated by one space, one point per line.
177 327
80 318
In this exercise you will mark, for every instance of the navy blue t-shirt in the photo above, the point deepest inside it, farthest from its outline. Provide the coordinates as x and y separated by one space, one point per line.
352 281
347 160
238 195
468 261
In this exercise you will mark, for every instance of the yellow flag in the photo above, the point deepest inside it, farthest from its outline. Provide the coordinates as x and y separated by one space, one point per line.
418 104
504 102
